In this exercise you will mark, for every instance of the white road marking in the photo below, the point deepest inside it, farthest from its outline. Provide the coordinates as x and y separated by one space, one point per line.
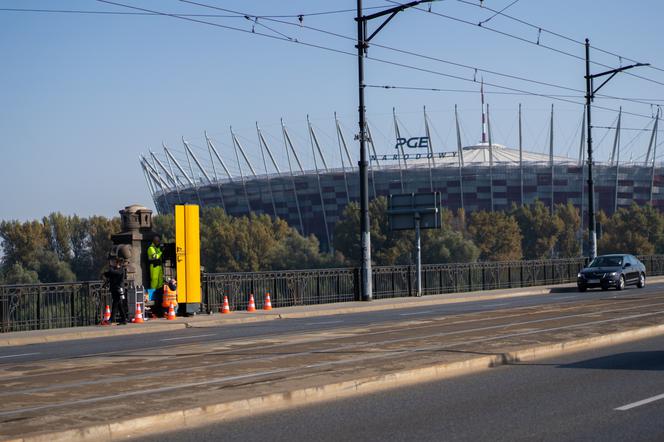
323 322
19 355
639 403
187 337
416 313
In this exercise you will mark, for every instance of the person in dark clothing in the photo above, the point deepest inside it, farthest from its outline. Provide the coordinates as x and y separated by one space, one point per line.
115 276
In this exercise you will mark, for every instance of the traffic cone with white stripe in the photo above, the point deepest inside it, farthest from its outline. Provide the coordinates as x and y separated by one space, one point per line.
171 313
225 309
252 304
267 305
107 316
138 316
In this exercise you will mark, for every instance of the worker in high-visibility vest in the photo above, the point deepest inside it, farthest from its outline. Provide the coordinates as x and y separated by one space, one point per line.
155 259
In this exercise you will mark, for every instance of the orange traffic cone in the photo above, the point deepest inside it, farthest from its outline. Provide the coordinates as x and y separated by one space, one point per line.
138 316
171 313
252 304
107 314
225 309
267 305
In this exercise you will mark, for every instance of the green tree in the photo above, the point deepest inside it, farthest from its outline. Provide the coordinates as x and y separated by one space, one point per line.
539 229
496 234
568 244
17 274
637 230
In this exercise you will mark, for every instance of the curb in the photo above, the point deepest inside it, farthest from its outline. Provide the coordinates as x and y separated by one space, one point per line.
208 414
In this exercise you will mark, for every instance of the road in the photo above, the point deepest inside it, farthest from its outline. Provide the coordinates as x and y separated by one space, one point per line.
568 398
80 383
112 345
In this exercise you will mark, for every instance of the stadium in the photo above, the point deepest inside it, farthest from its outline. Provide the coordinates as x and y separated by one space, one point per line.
480 176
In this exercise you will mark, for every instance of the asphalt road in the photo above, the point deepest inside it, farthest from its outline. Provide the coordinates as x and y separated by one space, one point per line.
612 394
113 345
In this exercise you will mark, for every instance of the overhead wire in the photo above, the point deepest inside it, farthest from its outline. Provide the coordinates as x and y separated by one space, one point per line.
525 40
344 52
475 69
556 34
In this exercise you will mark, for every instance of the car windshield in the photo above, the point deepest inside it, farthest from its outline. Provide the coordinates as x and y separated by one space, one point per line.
607 261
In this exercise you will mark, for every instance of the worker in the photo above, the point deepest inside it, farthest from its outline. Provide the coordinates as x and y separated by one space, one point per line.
115 275
155 259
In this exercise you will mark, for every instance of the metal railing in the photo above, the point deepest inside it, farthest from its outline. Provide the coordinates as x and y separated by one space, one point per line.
43 306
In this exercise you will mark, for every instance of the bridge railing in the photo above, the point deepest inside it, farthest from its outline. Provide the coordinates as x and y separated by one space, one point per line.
44 306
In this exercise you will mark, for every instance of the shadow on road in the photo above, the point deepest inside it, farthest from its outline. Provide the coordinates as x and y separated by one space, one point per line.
637 360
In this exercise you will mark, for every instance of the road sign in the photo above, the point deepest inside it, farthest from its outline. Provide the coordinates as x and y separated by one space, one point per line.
404 207
408 211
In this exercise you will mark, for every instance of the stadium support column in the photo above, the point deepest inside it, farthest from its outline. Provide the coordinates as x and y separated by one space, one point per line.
590 94
488 124
520 154
365 235
616 155
460 153
341 155
551 160
312 140
654 157
430 159
402 155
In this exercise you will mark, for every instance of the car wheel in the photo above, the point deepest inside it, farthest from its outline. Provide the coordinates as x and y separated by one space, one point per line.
605 287
621 283
642 281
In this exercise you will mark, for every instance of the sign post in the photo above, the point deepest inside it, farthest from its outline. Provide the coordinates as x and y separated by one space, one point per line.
408 211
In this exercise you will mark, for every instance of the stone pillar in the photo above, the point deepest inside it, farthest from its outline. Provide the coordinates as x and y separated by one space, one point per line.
132 242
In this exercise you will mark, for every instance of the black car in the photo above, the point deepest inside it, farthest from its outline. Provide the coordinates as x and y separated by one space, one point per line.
612 271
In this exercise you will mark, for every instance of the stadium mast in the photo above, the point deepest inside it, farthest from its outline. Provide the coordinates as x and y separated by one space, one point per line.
429 148
551 159
191 170
214 171
261 141
616 154
342 143
460 153
397 134
239 166
290 168
520 155
488 124
312 140
221 161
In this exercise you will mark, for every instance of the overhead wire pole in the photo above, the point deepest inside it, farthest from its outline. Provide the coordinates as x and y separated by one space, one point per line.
362 46
590 95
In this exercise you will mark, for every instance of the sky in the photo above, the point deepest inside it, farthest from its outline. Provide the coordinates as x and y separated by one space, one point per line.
83 95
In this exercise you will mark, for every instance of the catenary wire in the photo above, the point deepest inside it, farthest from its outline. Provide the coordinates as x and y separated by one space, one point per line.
389 62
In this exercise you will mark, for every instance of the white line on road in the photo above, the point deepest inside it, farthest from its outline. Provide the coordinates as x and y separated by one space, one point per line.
16 356
187 337
323 322
639 403
416 313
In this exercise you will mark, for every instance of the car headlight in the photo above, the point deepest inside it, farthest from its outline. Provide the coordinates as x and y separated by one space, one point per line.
613 274
580 275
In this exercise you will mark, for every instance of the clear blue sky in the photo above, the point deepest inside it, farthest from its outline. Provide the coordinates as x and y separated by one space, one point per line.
83 95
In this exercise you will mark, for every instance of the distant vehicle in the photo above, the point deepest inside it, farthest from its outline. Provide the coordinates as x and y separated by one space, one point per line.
616 271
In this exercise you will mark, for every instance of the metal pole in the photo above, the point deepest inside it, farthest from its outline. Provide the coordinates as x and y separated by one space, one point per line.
365 266
592 235
520 154
418 249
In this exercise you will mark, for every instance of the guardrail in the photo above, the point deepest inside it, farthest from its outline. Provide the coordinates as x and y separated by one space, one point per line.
43 306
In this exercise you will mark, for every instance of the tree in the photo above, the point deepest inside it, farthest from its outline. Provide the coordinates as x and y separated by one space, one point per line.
568 244
496 234
539 229
637 230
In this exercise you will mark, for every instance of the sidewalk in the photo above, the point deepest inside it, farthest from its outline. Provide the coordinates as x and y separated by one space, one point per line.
307 311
